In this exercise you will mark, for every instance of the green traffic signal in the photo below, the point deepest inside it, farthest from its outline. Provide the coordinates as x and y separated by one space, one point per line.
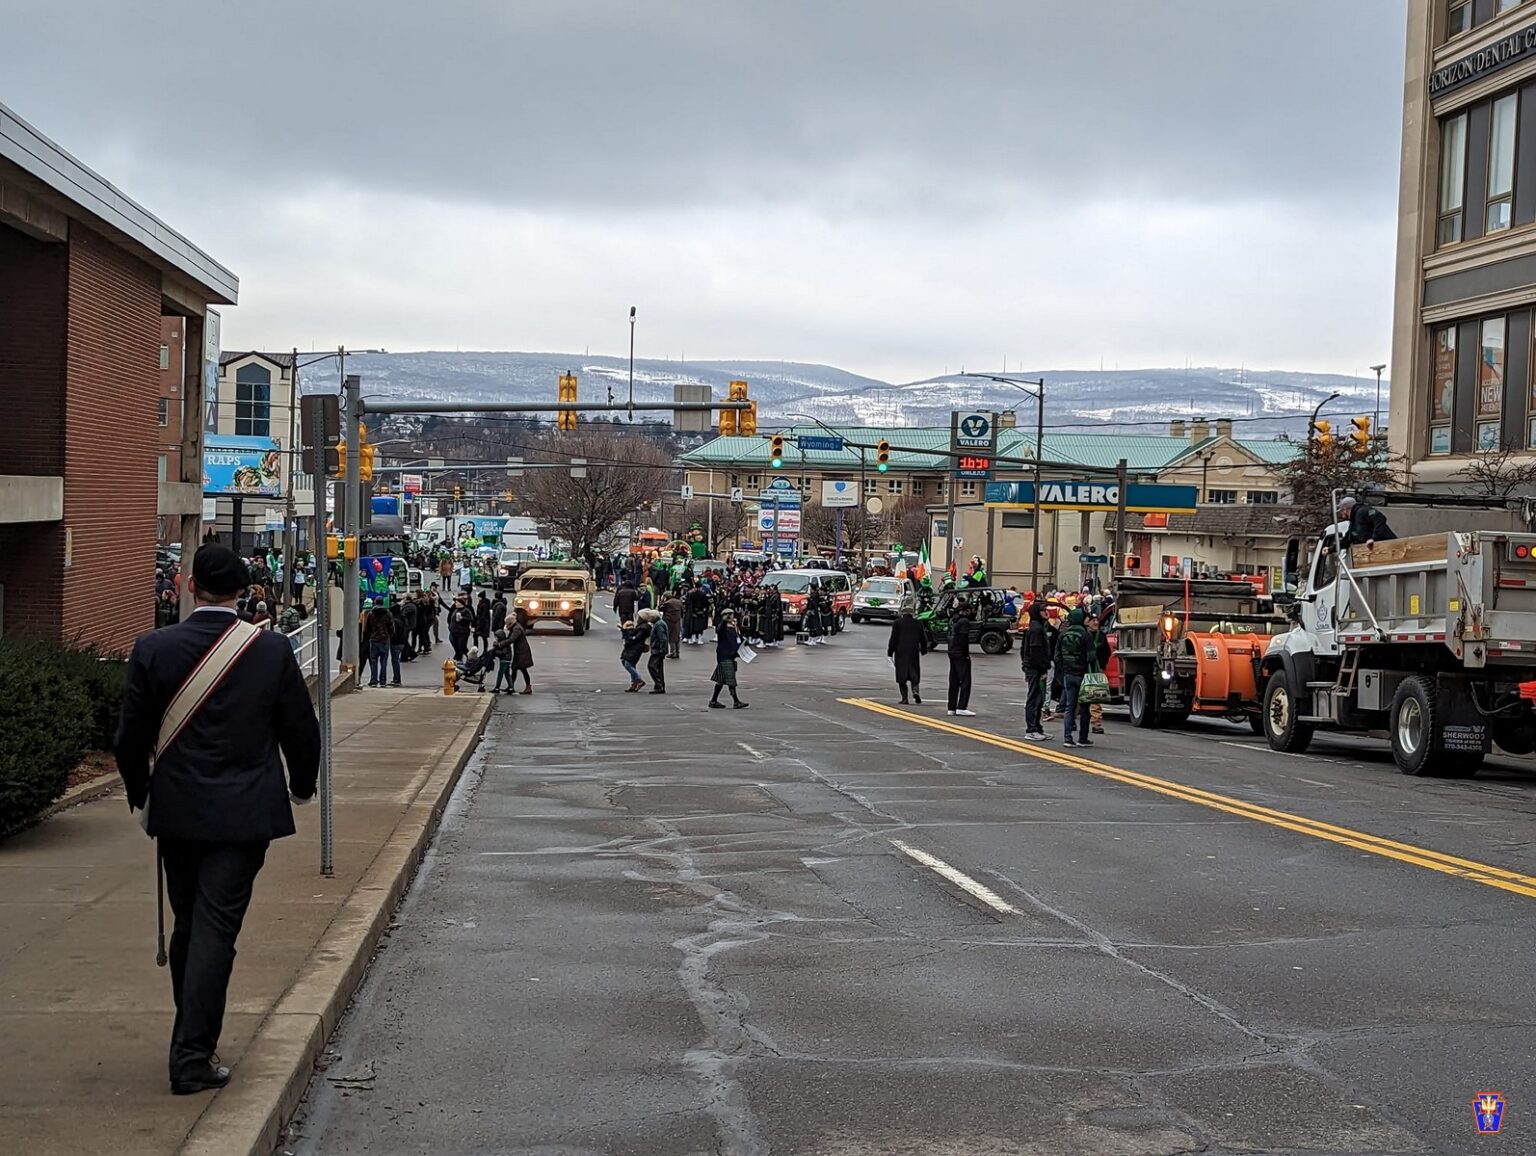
882 467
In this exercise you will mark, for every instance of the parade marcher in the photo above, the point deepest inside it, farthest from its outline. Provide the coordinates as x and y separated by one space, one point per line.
960 661
660 644
631 648
522 649
216 798
483 621
727 651
461 622
772 612
698 615
672 611
909 641
1035 657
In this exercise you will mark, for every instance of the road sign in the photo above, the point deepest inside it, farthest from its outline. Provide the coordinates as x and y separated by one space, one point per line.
330 415
839 495
515 467
1093 559
687 493
819 442
410 483
735 493
976 431
782 490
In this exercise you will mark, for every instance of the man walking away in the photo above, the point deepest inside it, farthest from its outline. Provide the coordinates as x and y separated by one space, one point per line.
660 648
435 613
396 640
381 636
672 611
1074 655
960 662
908 643
217 797
483 621
498 612
461 622
727 650
624 600
1035 655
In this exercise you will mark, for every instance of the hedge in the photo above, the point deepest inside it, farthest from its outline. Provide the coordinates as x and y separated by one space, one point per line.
56 703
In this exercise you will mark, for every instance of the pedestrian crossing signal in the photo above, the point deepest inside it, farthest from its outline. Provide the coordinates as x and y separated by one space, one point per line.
882 455
776 450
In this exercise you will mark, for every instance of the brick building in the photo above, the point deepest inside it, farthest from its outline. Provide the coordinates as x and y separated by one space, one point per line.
87 281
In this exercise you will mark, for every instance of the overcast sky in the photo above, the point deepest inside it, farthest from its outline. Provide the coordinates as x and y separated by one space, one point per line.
895 187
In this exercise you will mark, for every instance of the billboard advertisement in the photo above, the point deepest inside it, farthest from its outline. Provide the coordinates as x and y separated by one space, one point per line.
242 466
788 522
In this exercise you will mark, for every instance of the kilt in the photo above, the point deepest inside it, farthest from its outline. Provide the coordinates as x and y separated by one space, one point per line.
725 672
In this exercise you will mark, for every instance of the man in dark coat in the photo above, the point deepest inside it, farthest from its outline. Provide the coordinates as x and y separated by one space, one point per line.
483 621
217 796
672 611
1367 524
1035 657
960 661
498 612
461 622
624 600
909 642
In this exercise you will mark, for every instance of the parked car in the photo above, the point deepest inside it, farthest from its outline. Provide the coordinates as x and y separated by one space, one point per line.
883 599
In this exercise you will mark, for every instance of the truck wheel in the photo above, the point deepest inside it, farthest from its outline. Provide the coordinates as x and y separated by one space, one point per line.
578 627
1143 705
1413 725
1282 728
993 642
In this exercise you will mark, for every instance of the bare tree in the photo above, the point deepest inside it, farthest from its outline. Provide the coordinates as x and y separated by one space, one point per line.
1499 474
907 522
1315 474
622 472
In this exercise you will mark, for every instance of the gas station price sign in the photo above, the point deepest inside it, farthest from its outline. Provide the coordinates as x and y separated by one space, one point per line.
973 466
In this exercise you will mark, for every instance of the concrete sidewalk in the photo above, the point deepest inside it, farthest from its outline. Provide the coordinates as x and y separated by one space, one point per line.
86 1015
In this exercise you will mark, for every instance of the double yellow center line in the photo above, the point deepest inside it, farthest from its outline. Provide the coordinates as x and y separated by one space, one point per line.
1360 840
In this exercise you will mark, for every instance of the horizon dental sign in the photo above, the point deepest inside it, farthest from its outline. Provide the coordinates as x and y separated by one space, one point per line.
1483 62
1140 497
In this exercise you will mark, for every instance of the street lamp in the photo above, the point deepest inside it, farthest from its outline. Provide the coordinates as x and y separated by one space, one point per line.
1376 425
1312 425
631 363
1034 387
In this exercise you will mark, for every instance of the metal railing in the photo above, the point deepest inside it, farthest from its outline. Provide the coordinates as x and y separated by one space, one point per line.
306 644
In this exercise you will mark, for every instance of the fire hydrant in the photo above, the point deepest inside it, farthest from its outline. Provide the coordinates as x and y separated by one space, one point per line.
450 676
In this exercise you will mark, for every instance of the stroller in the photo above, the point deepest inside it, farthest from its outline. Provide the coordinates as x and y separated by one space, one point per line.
475 667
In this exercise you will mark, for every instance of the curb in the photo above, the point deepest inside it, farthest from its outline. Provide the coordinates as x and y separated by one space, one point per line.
277 1066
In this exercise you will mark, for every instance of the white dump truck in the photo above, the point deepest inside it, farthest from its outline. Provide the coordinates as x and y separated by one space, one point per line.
1430 638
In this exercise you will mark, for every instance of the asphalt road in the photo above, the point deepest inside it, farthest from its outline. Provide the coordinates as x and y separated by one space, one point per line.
828 925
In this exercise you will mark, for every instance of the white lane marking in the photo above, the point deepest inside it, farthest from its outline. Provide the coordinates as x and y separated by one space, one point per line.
595 618
1316 783
959 878
753 751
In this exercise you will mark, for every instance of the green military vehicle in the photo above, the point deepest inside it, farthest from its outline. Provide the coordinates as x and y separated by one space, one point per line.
990 621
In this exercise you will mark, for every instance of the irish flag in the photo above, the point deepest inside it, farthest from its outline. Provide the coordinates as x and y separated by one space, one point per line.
920 571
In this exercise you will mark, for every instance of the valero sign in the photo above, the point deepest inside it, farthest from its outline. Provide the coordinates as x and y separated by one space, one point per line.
1140 498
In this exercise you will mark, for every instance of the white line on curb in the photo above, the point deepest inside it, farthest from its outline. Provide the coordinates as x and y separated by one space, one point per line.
959 878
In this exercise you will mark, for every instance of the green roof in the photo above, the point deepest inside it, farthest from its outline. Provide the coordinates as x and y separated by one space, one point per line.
914 448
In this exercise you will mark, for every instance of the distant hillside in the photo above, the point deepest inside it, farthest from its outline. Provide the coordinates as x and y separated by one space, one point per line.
1134 399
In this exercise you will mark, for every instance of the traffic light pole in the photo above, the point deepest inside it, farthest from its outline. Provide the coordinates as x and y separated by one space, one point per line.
949 493
316 438
351 647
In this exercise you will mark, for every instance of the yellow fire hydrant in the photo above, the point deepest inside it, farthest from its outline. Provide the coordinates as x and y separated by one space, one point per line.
450 676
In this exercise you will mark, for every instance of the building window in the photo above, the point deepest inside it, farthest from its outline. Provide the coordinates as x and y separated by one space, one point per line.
1221 497
165 358
161 467
1263 497
805 484
893 486
1442 390
1506 5
1490 383
940 528
1460 19
967 489
1024 520
1453 176
917 487
253 401
869 486
1501 163
165 411
751 481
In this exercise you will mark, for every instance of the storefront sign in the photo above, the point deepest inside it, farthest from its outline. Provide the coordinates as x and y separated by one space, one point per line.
242 466
1475 65
1069 495
975 431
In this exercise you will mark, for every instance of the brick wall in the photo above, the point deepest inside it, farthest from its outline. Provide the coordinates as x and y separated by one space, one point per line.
34 293
110 485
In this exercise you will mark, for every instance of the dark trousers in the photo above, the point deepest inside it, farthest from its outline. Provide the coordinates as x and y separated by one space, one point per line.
1072 710
959 681
209 885
658 670
1034 703
460 644
394 659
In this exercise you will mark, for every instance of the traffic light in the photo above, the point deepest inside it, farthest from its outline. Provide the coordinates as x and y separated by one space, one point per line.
1323 434
365 454
776 450
341 460
746 420
566 419
1362 435
882 455
506 495
458 492
1131 564
735 421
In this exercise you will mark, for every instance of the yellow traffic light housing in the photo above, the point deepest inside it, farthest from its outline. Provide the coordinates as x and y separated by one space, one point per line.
727 423
882 455
776 450
746 420
341 460
1323 434
1362 435
566 419
458 493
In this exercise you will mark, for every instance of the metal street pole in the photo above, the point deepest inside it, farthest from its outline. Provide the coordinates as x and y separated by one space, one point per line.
631 363
1122 480
949 491
1034 568
710 529
291 512
351 600
1376 425
316 437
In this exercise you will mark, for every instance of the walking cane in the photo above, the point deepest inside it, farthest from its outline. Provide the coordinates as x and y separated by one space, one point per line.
160 956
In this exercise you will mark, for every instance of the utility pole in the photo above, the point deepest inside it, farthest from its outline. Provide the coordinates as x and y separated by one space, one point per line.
351 600
1122 479
291 514
316 437
949 492
632 363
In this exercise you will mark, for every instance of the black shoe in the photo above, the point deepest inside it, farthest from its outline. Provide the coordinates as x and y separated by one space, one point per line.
202 1080
905 703
716 705
738 705
395 683
658 692
917 698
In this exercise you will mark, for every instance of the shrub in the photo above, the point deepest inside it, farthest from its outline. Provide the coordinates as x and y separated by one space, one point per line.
102 676
45 727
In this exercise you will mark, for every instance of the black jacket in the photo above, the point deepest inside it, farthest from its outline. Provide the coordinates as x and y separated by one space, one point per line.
221 780
498 614
1368 524
960 638
1035 653
624 599
483 616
